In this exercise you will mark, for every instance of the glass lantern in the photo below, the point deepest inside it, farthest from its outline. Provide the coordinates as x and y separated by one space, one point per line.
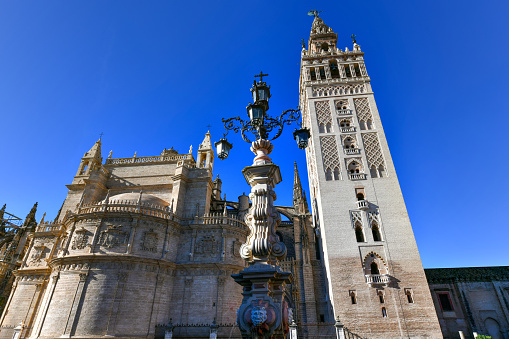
256 113
261 92
223 148
302 136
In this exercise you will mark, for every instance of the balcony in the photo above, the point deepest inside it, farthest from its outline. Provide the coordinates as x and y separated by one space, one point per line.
343 111
348 129
357 176
362 205
350 151
377 279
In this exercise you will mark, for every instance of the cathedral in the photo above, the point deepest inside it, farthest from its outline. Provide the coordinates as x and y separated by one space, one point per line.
145 247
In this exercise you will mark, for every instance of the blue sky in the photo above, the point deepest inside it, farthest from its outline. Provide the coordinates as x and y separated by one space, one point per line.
154 74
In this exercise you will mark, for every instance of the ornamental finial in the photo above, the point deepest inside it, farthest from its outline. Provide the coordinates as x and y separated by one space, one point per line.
353 38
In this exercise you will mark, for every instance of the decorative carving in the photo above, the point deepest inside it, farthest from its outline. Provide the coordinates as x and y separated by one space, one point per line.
323 115
322 91
236 248
363 110
83 277
355 217
329 153
38 253
80 240
373 216
373 150
207 244
112 237
149 242
258 315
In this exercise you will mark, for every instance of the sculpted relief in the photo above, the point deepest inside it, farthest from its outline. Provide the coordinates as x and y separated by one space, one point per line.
113 236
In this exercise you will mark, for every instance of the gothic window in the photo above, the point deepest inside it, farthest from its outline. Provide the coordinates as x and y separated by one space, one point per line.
334 70
374 268
445 301
359 234
354 167
376 231
384 312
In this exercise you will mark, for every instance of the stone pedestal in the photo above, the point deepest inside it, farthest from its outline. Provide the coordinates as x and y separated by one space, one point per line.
264 309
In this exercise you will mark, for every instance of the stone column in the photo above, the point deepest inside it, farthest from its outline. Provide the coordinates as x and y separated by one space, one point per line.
264 309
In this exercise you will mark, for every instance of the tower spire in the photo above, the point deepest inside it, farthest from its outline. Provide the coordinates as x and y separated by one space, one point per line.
300 203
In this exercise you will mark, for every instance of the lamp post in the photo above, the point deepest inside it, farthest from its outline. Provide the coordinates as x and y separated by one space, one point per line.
264 309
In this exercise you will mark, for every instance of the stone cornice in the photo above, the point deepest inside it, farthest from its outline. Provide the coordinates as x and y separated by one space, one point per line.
467 274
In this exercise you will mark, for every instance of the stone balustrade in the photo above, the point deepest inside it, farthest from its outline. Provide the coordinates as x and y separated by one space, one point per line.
362 205
377 279
350 151
142 160
348 129
343 111
357 176
48 226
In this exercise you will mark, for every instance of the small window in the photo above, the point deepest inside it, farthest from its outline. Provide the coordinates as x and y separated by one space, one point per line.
322 73
381 297
357 70
384 312
360 196
347 71
322 318
445 302
353 297
313 74
376 232
410 298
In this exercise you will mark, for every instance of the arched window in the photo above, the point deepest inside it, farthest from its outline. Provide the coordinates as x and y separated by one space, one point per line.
344 123
325 47
328 174
369 124
354 167
374 268
84 168
362 125
342 104
360 196
359 234
373 172
328 127
349 143
321 128
376 232
334 70
336 173
381 171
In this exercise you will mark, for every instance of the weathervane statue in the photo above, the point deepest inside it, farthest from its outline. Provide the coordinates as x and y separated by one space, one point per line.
266 303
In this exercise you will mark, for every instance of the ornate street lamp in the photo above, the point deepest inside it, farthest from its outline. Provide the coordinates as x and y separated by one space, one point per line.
265 306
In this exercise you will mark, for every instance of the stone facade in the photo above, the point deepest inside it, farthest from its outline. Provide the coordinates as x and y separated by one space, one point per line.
471 299
144 241
370 254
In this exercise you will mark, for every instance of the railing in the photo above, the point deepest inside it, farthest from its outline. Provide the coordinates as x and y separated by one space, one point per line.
343 111
141 160
347 129
350 151
357 176
362 205
48 226
377 279
159 211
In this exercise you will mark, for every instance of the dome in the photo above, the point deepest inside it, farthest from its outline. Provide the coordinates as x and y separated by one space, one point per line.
134 197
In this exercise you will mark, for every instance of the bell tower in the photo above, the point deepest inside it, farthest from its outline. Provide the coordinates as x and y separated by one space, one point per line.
376 281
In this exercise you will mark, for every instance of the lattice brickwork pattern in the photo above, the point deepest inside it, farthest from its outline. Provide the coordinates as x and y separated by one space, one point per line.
373 150
356 217
329 153
373 216
362 109
323 91
323 112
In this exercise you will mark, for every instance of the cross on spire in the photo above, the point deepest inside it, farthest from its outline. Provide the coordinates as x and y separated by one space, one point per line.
353 38
101 135
261 75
